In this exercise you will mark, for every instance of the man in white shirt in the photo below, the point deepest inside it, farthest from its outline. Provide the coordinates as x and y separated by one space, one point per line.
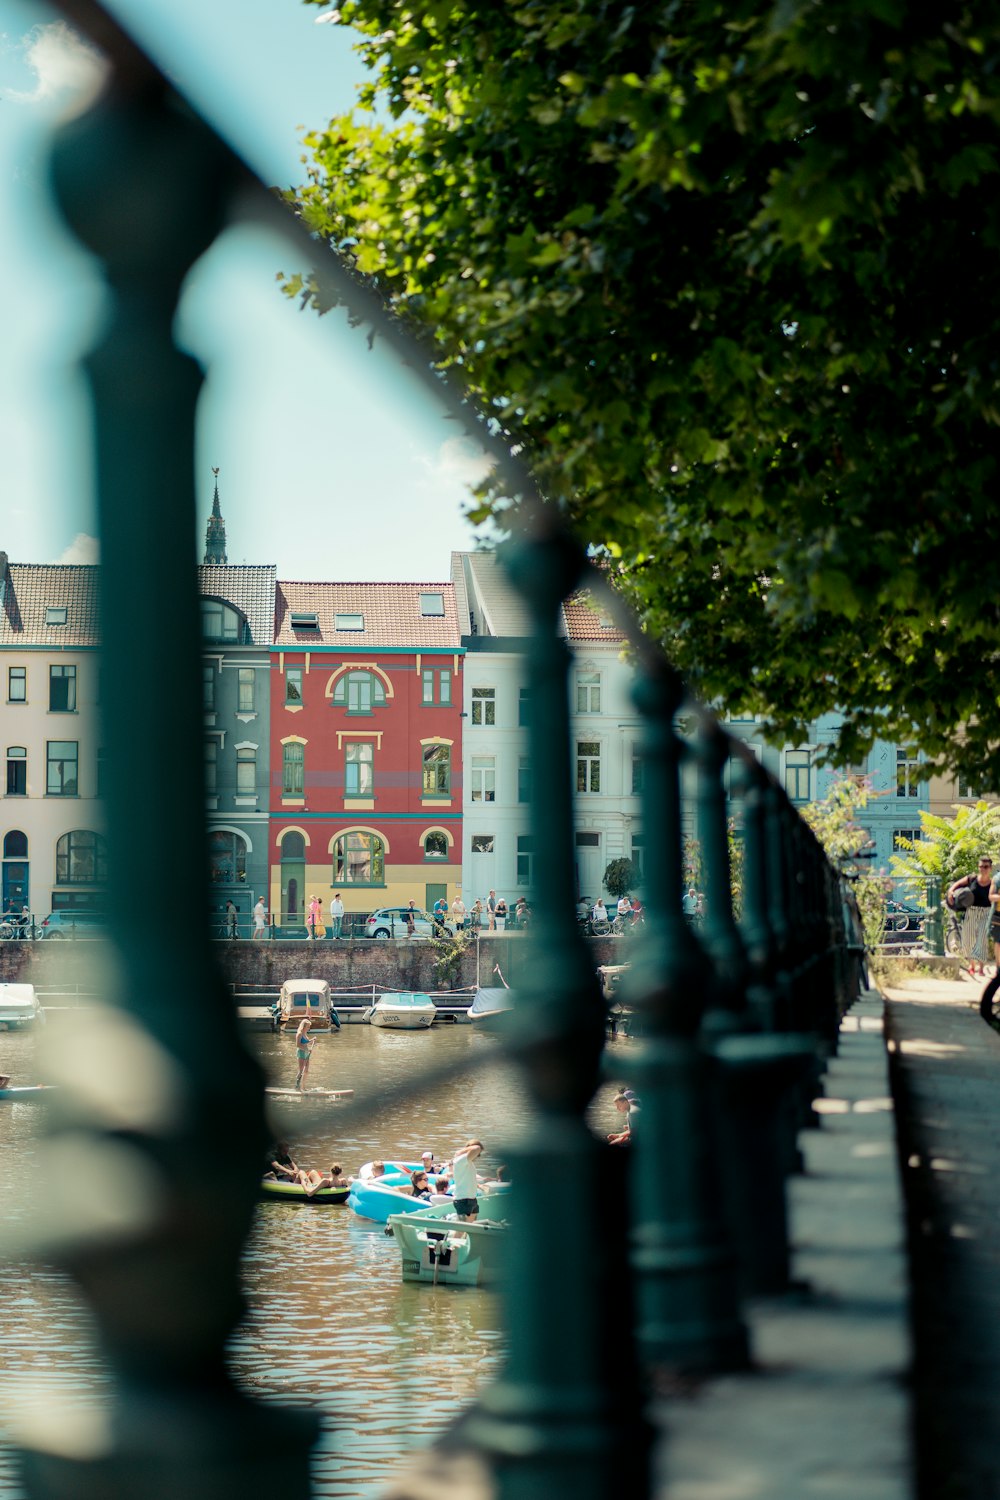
259 918
336 916
624 907
465 1181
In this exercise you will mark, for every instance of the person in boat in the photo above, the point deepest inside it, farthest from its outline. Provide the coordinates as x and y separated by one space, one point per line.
441 1193
465 1180
420 1186
315 1180
303 1051
627 1104
280 1165
427 1162
4 1080
378 1168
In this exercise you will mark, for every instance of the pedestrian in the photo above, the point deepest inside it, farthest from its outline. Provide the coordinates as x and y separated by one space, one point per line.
259 918
336 917
439 912
232 918
476 918
303 1052
410 918
465 1181
624 908
689 902
599 916
522 914
627 1104
501 914
314 918
458 913
491 910
976 924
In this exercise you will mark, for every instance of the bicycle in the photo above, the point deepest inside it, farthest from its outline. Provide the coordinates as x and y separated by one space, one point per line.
953 933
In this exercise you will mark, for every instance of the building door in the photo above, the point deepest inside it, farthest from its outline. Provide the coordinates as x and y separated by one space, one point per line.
589 868
293 879
435 892
15 884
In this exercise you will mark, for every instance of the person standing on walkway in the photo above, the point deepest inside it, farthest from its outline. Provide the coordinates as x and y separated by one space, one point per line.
491 910
232 918
976 925
501 914
259 918
458 913
315 917
336 916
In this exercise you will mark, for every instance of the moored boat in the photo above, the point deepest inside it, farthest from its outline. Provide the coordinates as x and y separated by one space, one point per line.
492 1008
276 1191
20 1093
403 1010
447 1251
19 1007
306 1000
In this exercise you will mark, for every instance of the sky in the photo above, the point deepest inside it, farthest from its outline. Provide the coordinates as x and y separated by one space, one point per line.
332 463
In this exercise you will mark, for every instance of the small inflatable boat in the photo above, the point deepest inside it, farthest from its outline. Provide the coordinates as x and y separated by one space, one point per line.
274 1190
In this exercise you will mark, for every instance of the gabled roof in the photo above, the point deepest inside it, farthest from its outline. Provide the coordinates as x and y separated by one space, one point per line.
485 592
390 615
250 589
582 619
31 589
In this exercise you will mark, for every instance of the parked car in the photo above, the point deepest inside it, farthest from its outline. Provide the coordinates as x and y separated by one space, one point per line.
68 924
390 921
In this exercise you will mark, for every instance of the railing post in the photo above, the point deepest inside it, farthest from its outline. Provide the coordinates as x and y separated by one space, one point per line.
566 1415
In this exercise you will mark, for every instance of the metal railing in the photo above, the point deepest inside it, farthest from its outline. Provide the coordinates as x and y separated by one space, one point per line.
735 1012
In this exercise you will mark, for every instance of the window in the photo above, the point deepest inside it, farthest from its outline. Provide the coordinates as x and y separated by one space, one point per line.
293 685
588 692
359 692
525 852
797 763
246 690
587 840
437 770
62 689
227 857
435 846
349 622
432 604
15 844
304 619
61 757
81 858
17 684
293 760
55 614
359 769
208 687
443 686
912 834
484 705
428 685
219 622
966 789
639 853
17 771
524 781
211 767
482 843
484 778
637 772
907 764
246 771
588 766
358 859
524 707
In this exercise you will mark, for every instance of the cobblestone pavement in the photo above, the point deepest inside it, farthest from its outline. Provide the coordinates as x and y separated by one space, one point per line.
946 1071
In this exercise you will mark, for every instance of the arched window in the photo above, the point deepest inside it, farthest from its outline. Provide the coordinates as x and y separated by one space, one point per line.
15 845
220 622
293 845
358 859
293 768
81 858
435 846
227 857
359 692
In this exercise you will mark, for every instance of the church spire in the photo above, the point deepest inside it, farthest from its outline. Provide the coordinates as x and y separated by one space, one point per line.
215 531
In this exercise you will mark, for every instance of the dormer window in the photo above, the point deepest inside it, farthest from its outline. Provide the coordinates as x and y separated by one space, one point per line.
220 622
55 614
349 622
432 604
304 620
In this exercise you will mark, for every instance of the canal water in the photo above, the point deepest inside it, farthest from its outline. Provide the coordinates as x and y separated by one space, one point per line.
386 1365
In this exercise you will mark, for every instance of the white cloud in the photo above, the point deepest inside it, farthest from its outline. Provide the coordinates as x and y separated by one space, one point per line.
459 460
82 549
62 62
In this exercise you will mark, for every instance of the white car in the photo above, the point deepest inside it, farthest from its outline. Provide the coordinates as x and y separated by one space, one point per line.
390 922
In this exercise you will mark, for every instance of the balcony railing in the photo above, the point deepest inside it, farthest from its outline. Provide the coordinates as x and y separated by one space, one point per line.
735 1011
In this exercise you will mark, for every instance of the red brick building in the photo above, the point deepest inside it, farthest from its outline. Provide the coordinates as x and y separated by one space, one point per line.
366 746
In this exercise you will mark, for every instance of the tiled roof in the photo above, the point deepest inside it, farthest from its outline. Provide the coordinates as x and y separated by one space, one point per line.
390 611
490 595
31 589
251 590
583 618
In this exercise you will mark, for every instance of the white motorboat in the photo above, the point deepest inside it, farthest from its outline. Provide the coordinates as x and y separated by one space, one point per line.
19 1007
403 1010
444 1250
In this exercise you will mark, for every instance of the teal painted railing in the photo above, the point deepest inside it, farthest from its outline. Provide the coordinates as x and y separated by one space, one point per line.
734 1014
